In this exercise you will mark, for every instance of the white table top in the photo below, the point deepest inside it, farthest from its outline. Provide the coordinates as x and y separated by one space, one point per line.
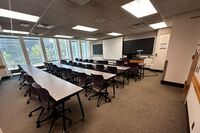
105 75
57 88
123 68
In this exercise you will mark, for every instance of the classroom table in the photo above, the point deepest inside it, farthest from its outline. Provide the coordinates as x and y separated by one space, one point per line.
106 76
122 69
59 89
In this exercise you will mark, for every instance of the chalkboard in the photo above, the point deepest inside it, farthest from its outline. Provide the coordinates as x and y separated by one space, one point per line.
97 49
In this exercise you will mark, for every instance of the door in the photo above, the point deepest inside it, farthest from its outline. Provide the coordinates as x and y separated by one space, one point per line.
161 51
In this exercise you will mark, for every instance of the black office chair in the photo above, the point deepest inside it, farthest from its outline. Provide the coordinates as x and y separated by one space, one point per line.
91 61
119 63
113 70
80 60
81 65
69 75
29 81
76 59
34 95
49 104
86 60
85 83
21 77
70 62
89 66
63 62
100 85
134 70
100 68
74 64
56 71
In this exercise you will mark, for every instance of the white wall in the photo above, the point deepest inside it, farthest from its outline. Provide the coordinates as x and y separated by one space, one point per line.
185 36
112 48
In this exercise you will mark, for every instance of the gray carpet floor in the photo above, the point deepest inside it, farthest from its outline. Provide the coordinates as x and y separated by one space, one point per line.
143 106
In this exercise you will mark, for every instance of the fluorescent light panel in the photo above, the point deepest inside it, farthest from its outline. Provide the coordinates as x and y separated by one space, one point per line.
114 34
140 8
84 28
158 25
63 36
91 39
15 32
18 15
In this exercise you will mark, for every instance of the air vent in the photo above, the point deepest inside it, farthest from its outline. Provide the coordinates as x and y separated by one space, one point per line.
80 2
99 35
38 34
45 26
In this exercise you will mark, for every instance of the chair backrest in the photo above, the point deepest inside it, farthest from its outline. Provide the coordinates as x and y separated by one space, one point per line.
120 63
97 80
63 62
86 60
100 67
80 60
34 91
70 62
66 72
82 78
112 70
89 66
19 67
81 65
133 65
29 79
91 61
76 59
44 98
74 64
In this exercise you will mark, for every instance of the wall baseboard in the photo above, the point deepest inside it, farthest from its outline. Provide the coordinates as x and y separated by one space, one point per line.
155 70
172 83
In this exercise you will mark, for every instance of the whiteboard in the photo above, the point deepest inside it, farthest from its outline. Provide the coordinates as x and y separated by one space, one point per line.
112 48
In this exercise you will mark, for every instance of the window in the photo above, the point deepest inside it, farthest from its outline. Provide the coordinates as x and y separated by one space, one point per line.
51 49
34 51
64 49
75 49
85 46
12 52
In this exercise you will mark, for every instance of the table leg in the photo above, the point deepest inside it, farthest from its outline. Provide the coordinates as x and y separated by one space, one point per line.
82 112
113 88
124 78
63 111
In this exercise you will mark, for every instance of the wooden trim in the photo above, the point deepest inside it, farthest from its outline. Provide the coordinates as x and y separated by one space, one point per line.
2 67
196 84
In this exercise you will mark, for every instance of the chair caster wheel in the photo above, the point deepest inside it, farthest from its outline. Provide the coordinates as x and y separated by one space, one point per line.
27 102
30 115
24 95
82 119
97 105
89 98
38 125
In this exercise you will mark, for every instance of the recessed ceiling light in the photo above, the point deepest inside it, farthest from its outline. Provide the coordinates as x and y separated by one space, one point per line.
84 28
15 32
140 8
91 39
18 15
63 36
158 25
114 34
